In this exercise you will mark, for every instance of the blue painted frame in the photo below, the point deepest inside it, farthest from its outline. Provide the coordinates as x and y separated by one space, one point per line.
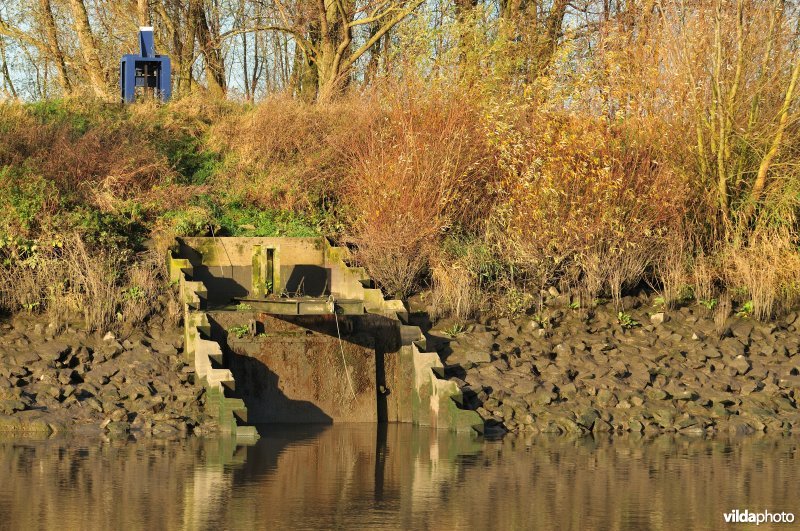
159 64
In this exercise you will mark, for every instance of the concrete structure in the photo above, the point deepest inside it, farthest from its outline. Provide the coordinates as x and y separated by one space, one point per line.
283 330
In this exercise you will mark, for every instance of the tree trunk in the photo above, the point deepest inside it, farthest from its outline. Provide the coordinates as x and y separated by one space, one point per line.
214 63
374 56
554 22
783 121
89 51
185 75
7 82
303 80
49 23
464 10
334 40
171 20
143 10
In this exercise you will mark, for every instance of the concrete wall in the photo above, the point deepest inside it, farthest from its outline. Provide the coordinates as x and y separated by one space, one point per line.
233 267
237 267
291 368
201 351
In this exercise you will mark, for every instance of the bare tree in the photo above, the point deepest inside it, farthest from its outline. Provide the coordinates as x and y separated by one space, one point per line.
210 46
89 49
323 34
53 46
143 12
8 84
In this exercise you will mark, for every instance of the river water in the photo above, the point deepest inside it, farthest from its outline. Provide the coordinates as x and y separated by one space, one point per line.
395 477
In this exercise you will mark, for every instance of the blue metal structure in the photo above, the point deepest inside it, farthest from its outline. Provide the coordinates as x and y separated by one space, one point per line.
149 71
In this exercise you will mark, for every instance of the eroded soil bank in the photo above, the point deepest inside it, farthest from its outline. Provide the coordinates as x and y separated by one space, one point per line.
577 370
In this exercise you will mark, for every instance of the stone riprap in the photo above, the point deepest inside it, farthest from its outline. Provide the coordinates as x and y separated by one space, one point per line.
564 370
573 371
55 380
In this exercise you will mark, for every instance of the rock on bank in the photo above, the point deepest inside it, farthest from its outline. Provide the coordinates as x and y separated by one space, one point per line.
571 371
54 380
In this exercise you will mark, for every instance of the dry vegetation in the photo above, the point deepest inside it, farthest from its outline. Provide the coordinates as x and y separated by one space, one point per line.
657 148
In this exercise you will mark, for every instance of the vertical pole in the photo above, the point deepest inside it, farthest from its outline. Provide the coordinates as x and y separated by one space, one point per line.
164 81
257 288
128 68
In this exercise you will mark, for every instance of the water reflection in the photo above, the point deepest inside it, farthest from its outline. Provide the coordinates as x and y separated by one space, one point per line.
394 477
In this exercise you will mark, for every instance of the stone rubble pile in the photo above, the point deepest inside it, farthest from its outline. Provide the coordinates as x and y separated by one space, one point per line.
573 371
53 380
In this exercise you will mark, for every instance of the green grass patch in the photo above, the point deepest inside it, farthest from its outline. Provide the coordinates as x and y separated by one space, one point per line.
251 221
195 164
233 219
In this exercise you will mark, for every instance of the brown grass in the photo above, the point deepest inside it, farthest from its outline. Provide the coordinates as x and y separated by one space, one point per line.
722 312
66 281
106 158
143 285
769 268
73 280
456 280
568 199
704 272
672 271
289 154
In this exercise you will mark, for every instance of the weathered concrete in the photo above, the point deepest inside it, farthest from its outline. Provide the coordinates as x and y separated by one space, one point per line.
292 370
261 368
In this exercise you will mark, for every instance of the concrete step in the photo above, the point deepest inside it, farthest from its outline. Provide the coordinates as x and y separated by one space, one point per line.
234 404
178 267
217 358
409 334
241 416
360 273
229 385
373 299
246 433
217 377
398 308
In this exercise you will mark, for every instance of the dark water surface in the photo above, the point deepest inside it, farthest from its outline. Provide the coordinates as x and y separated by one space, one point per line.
396 477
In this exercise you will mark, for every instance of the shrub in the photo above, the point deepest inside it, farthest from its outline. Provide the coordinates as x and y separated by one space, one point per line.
69 278
582 192
768 267
457 272
26 200
290 155
65 280
672 270
419 175
143 284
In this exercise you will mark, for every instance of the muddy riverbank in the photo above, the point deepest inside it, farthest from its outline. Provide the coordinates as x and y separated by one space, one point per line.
54 379
562 370
572 370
